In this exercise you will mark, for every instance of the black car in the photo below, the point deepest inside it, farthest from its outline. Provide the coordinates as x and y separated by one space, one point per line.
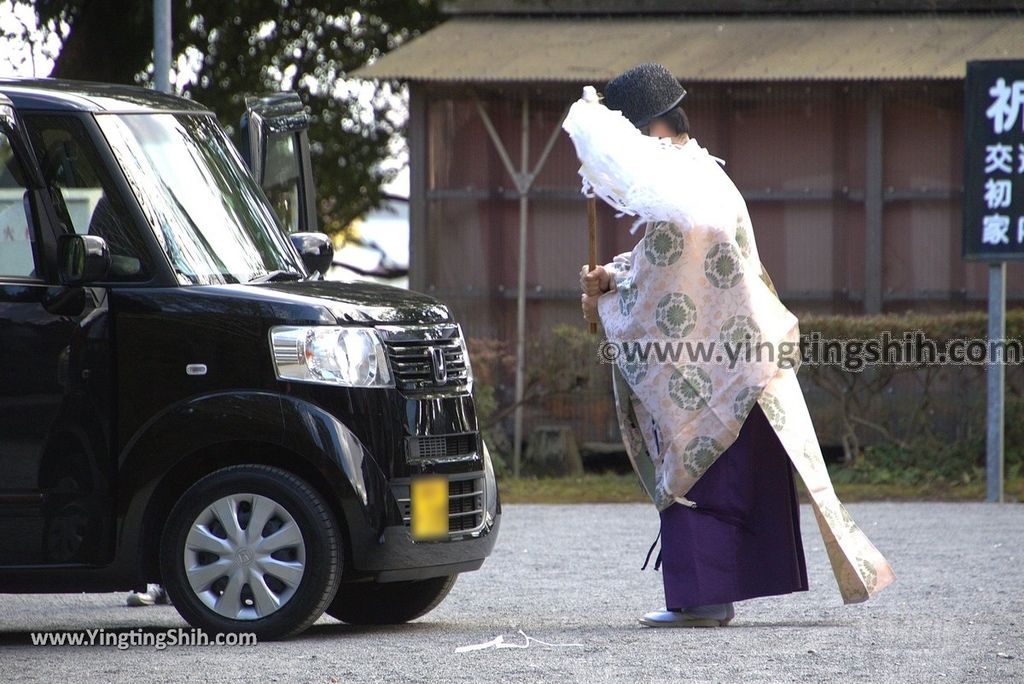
184 400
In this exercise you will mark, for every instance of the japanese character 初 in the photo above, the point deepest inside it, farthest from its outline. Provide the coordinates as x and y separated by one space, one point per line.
995 230
998 193
1006 104
1000 158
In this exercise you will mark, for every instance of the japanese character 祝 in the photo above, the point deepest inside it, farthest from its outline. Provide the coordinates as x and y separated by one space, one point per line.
995 230
1006 105
998 193
1000 158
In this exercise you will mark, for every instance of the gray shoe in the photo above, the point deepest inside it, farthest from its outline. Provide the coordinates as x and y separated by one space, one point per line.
154 595
716 615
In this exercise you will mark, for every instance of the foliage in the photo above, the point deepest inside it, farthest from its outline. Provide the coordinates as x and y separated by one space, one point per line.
258 46
918 427
561 363
610 488
590 488
916 422
491 361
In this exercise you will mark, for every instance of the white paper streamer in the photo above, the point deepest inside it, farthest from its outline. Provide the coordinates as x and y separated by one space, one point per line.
637 175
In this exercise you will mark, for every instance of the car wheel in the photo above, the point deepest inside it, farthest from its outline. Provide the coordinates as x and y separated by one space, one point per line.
251 549
389 603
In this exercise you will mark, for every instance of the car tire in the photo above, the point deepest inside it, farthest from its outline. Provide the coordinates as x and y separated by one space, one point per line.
389 603
224 575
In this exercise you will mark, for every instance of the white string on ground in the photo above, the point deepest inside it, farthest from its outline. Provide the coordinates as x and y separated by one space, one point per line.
499 642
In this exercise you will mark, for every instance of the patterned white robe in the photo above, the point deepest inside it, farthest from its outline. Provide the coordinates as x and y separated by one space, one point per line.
695 281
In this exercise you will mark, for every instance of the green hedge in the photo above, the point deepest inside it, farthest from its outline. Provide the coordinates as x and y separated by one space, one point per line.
945 326
898 424
911 424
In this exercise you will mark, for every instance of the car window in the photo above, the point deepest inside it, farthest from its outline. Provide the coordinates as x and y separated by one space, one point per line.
72 166
16 258
204 206
281 178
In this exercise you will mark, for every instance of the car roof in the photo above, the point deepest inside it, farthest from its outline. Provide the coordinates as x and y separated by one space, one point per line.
83 96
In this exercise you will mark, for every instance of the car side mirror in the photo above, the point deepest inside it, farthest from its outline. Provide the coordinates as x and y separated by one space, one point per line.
83 259
316 250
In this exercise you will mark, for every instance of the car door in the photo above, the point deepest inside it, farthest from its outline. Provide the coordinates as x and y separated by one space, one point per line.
55 461
276 147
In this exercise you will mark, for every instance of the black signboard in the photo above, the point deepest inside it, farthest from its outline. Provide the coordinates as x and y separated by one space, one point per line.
993 200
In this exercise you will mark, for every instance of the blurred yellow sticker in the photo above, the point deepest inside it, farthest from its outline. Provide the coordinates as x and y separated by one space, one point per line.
429 507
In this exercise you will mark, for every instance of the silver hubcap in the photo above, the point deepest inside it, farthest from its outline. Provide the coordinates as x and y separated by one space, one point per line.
244 556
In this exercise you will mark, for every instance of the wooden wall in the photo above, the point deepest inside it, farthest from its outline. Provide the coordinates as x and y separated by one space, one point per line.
799 153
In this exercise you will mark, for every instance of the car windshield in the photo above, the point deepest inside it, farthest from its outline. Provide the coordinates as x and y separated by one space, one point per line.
212 220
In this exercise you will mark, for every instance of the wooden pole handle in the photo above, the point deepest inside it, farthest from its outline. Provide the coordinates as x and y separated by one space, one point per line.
592 230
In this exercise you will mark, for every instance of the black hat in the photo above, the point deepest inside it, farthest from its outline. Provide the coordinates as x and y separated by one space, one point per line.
643 93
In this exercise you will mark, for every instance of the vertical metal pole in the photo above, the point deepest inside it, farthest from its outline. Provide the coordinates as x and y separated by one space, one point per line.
995 375
162 44
873 171
418 175
524 206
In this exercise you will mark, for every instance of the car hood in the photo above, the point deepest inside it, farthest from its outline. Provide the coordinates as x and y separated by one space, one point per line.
355 302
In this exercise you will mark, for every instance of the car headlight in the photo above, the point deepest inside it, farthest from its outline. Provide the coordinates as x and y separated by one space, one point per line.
330 355
465 357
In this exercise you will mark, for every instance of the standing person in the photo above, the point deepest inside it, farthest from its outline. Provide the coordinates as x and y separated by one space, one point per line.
712 436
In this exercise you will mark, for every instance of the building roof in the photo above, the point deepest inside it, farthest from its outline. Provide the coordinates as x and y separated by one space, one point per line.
703 48
647 7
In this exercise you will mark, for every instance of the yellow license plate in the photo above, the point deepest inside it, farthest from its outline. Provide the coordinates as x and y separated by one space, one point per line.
429 508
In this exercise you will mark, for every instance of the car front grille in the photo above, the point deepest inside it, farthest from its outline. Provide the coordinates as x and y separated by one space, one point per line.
442 446
465 503
427 360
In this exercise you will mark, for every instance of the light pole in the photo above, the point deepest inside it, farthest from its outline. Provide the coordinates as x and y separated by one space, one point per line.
162 44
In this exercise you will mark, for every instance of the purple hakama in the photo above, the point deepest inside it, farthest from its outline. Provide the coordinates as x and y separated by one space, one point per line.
743 539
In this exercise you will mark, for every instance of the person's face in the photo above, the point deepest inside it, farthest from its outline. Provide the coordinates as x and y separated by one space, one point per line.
658 129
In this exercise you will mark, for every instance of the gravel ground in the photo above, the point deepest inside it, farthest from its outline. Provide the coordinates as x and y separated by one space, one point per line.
570 575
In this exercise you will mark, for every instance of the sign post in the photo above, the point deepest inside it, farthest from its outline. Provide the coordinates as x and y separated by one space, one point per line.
995 383
993 212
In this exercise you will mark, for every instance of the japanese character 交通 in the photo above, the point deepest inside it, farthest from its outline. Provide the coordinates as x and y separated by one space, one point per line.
995 229
1000 158
998 193
1006 104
